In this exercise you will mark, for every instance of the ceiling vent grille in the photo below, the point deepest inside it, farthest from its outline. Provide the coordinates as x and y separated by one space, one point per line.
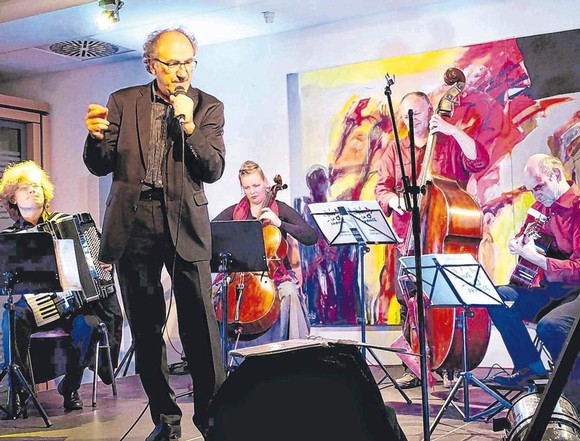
85 49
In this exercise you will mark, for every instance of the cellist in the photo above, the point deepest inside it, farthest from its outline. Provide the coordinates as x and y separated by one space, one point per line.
455 155
293 320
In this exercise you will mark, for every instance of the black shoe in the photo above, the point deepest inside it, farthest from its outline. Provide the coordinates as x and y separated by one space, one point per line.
164 432
72 401
206 433
521 378
203 425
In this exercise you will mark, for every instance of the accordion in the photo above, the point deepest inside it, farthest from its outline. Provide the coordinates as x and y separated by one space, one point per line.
95 281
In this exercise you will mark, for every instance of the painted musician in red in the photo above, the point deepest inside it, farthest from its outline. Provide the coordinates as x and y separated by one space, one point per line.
456 155
552 299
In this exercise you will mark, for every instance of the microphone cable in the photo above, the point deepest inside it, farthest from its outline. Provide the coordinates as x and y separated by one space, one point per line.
173 265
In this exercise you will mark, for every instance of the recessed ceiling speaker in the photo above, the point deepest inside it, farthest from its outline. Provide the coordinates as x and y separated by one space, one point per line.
311 393
84 49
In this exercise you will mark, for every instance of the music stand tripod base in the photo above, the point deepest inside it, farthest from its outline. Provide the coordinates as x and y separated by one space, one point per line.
28 264
237 246
457 280
465 379
369 348
359 223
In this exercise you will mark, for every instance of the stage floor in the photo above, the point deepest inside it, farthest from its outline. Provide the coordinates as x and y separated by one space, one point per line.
113 417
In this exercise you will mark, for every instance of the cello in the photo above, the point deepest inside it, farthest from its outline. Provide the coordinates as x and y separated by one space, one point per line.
274 242
253 300
451 222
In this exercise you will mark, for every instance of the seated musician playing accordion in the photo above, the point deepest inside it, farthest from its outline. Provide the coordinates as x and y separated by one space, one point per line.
26 192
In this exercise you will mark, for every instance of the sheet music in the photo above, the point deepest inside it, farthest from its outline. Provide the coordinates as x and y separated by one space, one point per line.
277 347
66 261
341 221
454 280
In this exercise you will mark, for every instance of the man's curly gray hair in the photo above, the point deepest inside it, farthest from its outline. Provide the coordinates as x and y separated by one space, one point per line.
150 45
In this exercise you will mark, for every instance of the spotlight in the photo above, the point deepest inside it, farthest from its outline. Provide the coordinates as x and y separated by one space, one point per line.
110 14
108 5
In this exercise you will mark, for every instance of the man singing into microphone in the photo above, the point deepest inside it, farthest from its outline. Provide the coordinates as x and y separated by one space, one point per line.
162 141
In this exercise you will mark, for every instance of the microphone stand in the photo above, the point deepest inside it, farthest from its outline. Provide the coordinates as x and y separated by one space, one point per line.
411 190
224 270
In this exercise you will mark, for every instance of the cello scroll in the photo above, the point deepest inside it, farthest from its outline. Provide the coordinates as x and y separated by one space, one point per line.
274 242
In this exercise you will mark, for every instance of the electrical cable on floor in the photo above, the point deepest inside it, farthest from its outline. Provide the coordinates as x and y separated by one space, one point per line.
134 423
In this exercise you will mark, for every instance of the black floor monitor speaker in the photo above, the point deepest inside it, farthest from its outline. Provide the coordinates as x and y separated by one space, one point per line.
312 393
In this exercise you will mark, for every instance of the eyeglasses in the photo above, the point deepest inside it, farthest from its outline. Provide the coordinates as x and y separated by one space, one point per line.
173 66
27 186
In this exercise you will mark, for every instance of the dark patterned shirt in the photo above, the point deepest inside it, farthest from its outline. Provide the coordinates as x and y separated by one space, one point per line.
160 118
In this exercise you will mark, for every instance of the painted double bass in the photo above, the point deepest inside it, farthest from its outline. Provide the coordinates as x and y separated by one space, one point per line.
253 300
451 223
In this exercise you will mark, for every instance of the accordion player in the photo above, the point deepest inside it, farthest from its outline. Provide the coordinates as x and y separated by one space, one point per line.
96 282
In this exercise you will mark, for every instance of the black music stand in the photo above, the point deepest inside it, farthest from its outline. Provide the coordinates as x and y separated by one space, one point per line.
29 265
359 223
458 281
237 246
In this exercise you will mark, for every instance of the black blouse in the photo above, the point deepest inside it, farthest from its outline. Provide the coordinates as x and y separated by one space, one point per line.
292 223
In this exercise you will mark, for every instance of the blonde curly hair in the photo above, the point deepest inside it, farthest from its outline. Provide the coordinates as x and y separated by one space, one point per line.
16 174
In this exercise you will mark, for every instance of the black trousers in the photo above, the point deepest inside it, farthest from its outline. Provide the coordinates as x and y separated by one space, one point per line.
82 327
139 270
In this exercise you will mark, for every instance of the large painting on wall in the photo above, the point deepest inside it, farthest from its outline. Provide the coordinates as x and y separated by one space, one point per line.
521 96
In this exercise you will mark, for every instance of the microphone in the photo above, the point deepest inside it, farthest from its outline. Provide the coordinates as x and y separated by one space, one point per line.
179 90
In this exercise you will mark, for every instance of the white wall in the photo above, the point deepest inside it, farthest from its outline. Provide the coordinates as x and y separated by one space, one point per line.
250 77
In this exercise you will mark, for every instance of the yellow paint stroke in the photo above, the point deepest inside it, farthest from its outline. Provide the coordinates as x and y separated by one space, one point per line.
365 71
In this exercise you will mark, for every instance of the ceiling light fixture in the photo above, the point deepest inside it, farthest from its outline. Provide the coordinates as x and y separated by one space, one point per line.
110 14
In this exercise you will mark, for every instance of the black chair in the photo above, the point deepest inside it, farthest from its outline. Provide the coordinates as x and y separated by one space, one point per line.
51 346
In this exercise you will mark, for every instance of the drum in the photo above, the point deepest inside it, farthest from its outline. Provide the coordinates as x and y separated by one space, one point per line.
563 426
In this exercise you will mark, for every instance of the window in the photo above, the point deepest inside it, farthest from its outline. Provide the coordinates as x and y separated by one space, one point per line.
23 135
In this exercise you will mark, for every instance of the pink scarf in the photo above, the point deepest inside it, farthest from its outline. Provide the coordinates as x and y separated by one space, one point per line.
243 209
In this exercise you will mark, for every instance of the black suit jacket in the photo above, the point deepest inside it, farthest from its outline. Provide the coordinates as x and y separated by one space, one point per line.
123 152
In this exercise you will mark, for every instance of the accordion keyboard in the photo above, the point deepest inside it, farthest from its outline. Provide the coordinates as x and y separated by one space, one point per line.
48 307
